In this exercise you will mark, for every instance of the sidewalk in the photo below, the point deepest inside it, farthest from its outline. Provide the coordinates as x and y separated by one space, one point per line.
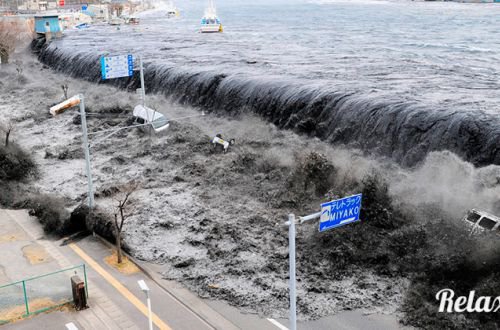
103 314
110 308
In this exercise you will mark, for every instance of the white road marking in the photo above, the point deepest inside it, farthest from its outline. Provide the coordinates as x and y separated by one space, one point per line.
71 326
277 324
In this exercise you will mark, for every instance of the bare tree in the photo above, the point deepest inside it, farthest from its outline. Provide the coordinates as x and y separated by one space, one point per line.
19 67
9 37
119 223
8 128
65 87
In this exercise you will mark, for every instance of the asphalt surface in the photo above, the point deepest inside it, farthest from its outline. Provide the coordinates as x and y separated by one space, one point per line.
110 308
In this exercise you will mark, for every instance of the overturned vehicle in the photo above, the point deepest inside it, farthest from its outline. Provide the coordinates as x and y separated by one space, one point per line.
480 221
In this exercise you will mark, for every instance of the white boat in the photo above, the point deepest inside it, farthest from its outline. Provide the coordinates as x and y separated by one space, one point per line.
210 22
172 11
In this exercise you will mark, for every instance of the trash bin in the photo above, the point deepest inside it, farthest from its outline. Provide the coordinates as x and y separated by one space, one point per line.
79 293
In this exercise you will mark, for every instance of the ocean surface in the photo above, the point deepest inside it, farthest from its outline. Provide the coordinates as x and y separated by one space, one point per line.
438 62
441 54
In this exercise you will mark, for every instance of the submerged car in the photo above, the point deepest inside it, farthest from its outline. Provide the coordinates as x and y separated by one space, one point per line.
481 221
144 115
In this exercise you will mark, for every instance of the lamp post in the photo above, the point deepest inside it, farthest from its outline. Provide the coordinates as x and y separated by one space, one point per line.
145 289
79 100
60 108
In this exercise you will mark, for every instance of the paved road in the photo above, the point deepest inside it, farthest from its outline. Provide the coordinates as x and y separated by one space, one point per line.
116 300
110 307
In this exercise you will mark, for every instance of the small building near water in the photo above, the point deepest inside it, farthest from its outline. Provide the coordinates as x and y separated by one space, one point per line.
99 13
49 26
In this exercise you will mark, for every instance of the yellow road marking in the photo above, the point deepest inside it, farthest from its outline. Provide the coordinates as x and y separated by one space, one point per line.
118 286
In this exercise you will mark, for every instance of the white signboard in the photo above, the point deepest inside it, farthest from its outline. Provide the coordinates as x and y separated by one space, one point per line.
117 66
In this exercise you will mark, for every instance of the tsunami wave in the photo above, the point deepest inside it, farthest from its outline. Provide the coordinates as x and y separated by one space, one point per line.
405 132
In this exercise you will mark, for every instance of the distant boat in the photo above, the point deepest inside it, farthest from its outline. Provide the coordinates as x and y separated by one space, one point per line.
210 22
172 11
82 26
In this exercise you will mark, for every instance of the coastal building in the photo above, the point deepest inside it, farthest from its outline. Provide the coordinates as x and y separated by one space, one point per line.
97 12
71 19
48 25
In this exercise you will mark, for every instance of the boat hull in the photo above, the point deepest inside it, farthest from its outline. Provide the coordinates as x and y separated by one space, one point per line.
211 28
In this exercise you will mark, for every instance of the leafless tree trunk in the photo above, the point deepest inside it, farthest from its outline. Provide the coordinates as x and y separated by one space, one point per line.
8 130
65 90
119 223
118 230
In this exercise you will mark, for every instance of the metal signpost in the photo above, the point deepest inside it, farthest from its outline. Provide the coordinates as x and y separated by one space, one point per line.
340 212
143 89
333 214
119 66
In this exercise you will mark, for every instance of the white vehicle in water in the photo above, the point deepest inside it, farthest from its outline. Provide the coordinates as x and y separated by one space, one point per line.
210 23
144 115
480 221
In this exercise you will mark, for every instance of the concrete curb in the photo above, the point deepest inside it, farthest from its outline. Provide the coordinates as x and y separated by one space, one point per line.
185 297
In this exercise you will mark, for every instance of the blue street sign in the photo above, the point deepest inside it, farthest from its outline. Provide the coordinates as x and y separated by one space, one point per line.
117 66
340 212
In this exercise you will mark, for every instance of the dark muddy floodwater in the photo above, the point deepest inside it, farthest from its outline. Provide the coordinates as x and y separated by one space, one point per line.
396 78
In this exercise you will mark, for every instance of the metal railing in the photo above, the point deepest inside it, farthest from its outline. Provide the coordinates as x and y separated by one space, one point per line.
38 294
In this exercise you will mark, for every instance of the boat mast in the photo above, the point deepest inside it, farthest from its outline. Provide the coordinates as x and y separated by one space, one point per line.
211 6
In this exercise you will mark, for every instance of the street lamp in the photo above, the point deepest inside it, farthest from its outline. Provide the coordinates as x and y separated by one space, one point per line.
145 289
79 100
60 108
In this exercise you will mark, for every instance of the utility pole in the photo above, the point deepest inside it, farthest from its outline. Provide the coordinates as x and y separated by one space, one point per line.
291 253
87 152
333 214
143 89
60 108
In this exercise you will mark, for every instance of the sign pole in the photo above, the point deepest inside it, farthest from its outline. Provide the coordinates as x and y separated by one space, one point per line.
291 254
333 214
143 91
150 317
87 152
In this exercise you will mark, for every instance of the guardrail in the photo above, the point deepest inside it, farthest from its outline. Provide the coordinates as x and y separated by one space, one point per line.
38 294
